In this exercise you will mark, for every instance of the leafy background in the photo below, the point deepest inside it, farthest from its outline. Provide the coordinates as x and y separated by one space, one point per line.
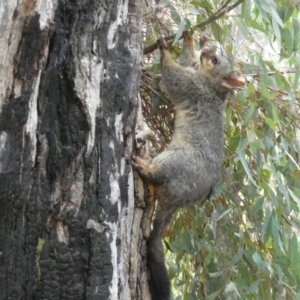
245 243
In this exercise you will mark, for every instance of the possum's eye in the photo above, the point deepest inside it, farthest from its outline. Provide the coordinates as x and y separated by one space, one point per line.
214 60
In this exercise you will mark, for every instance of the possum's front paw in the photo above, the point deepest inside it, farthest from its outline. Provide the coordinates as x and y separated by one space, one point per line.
161 43
139 164
142 167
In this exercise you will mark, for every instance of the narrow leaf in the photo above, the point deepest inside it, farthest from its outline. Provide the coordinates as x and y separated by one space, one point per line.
242 157
276 236
276 29
258 205
227 211
294 251
179 31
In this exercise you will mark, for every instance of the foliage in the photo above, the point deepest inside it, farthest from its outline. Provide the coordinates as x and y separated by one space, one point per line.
245 243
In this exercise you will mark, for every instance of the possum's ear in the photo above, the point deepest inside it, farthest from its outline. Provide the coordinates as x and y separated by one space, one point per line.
234 80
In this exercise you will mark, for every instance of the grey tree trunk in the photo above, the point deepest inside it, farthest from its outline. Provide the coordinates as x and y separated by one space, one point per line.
69 82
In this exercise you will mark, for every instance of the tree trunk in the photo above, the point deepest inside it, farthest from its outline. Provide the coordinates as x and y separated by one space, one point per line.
69 81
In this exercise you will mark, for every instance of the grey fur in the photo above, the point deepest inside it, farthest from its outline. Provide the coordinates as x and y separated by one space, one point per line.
188 170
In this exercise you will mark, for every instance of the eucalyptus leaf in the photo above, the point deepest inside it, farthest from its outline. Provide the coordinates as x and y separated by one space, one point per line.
247 231
179 31
246 166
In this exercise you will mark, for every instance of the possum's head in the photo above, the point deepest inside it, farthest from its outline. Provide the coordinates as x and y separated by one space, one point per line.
216 67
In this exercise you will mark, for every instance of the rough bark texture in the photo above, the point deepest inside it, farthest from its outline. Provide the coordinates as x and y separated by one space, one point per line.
69 80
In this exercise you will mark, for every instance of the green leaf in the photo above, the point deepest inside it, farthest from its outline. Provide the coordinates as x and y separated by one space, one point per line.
274 113
288 39
279 272
175 247
203 4
175 15
295 198
236 258
187 244
254 286
217 31
257 259
276 236
246 10
294 251
255 146
249 114
296 80
288 14
179 31
242 27
242 157
192 296
257 206
267 225
297 63
262 12
270 122
292 159
296 39
214 243
242 144
276 28
265 91
282 188
276 17
257 26
234 142
215 274
213 295
250 135
164 2
227 211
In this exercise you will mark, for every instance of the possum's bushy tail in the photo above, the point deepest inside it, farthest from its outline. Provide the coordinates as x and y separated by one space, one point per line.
159 282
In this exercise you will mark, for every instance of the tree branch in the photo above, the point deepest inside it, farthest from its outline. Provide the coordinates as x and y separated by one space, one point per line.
211 19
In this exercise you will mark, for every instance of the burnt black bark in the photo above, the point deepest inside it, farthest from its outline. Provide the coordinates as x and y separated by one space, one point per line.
60 197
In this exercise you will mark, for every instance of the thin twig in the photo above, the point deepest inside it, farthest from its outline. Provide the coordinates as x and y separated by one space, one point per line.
287 71
211 19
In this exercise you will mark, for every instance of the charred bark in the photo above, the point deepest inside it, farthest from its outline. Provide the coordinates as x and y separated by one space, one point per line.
68 104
